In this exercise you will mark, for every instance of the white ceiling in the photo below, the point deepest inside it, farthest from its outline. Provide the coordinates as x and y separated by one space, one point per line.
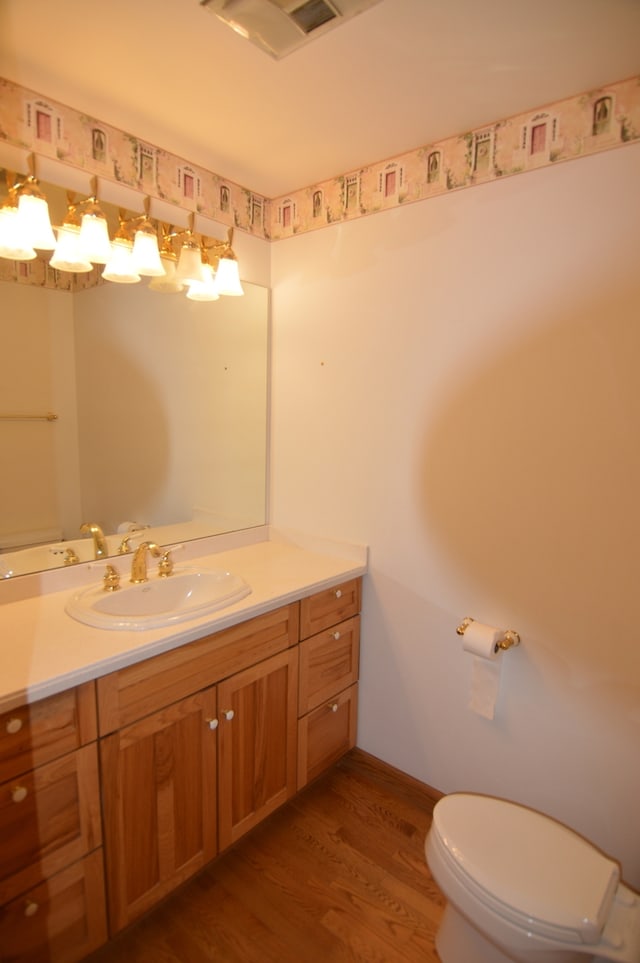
403 74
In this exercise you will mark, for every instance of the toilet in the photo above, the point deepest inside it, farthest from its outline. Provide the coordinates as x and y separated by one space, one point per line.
522 887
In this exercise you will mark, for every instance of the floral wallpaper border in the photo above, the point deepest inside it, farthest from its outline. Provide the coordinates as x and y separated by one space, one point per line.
597 120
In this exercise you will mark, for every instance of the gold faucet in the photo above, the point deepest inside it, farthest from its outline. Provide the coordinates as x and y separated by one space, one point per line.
139 563
99 541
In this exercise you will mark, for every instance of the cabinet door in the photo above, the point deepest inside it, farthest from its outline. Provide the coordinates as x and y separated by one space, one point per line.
61 921
257 743
159 792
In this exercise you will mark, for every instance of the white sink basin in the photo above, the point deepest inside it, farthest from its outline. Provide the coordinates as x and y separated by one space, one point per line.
187 594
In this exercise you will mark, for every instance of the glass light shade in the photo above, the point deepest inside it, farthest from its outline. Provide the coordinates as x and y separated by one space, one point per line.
228 277
189 264
168 283
36 224
67 255
94 238
204 290
12 242
146 256
120 267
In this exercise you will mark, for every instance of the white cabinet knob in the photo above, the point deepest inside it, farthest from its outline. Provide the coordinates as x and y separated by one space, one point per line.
228 714
14 725
212 723
333 706
18 793
31 908
338 593
335 635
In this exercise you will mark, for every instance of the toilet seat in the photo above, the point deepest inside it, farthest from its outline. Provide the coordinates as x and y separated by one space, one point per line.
526 867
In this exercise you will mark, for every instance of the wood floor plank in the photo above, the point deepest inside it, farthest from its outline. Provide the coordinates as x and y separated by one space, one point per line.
337 875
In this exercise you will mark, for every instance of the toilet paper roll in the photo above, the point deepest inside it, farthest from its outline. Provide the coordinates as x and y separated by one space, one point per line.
481 641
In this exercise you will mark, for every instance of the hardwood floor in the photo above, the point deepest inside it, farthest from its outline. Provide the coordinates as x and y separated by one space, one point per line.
337 875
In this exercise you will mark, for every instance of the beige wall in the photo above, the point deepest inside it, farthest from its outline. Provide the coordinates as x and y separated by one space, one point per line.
461 376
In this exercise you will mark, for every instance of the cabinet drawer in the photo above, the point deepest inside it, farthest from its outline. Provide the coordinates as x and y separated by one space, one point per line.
328 663
330 606
60 921
44 730
325 734
49 818
146 687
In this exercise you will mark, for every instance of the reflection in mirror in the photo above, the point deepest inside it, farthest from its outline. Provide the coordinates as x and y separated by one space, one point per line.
160 408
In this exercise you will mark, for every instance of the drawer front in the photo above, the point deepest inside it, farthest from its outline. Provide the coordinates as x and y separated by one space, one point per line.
49 818
328 663
325 734
139 690
36 733
60 921
329 607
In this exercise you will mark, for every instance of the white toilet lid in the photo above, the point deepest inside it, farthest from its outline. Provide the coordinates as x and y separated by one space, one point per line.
529 868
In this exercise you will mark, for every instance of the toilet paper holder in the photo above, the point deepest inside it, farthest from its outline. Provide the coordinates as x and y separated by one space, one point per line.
509 639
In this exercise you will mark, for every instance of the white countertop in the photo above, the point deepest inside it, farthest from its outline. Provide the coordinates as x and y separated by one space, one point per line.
43 650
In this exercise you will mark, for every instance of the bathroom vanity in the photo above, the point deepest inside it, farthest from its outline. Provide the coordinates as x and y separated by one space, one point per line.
116 789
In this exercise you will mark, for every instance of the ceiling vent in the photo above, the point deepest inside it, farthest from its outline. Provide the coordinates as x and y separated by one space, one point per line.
281 26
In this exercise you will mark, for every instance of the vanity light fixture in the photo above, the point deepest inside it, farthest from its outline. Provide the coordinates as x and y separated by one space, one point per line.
168 283
207 288
68 255
94 230
33 212
83 241
13 244
189 267
145 254
120 267
227 274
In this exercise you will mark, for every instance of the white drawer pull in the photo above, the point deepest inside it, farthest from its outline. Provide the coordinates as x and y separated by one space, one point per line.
228 714
14 725
338 593
335 635
333 706
18 793
31 908
212 723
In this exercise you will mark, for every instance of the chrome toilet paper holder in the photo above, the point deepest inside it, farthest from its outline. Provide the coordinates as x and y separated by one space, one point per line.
509 639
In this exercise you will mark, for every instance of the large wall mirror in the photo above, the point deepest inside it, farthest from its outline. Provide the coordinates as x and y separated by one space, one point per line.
129 408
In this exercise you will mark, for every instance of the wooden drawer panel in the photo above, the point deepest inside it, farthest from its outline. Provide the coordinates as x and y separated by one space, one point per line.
60 921
146 687
328 663
326 734
329 607
44 730
49 818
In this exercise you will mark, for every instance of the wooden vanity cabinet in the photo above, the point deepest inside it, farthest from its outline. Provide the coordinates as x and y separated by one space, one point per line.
174 751
51 871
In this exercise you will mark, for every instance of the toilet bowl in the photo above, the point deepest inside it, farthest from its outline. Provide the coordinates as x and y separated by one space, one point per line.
522 887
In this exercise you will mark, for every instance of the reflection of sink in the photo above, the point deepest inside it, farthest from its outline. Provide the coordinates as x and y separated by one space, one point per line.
187 594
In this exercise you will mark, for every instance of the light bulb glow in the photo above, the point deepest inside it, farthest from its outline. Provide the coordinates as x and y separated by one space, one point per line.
228 277
36 224
13 244
120 268
67 255
94 238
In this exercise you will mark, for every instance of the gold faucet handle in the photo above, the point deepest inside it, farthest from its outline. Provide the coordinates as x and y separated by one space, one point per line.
111 579
165 565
